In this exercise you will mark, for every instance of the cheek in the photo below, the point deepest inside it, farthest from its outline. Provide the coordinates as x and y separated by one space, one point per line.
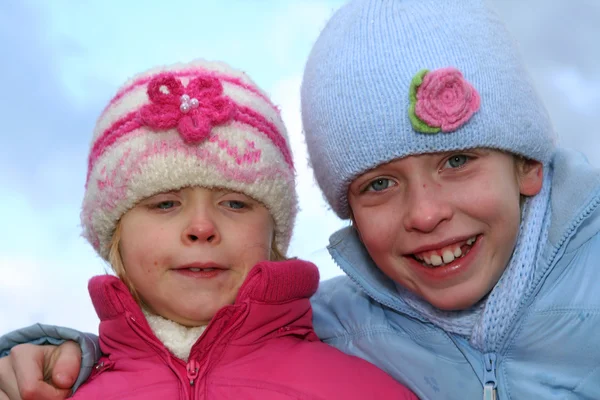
378 231
144 254
493 201
254 242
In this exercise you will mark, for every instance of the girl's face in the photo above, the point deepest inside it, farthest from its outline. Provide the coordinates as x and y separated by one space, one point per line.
187 252
444 225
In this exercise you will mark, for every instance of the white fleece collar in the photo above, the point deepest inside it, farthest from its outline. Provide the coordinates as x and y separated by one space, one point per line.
177 338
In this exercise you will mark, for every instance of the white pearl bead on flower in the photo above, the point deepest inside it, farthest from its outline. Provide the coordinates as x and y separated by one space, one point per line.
188 103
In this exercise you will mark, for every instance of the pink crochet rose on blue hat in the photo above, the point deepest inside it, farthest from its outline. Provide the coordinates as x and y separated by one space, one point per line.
441 100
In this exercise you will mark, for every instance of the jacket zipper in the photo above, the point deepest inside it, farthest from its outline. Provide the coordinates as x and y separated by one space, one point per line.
490 383
161 352
489 377
193 370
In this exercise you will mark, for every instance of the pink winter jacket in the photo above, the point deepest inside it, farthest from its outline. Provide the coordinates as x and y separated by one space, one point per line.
262 347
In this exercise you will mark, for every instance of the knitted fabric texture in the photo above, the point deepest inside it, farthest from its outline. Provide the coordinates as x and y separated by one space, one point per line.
486 323
441 100
355 94
197 124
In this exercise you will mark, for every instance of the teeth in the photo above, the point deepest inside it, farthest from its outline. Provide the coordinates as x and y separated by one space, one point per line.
195 269
448 256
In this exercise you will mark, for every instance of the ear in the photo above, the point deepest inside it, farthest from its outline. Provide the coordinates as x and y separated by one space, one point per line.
530 176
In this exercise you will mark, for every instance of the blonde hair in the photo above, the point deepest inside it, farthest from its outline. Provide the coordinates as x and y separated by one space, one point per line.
116 261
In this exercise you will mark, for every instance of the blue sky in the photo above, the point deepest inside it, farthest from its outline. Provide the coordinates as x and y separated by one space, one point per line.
62 60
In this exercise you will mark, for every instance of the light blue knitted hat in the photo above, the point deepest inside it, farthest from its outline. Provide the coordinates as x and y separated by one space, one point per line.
357 82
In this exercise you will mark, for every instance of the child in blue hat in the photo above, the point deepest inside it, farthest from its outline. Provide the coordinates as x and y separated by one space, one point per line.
471 259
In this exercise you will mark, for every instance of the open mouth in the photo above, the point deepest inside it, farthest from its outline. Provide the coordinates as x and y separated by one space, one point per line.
445 255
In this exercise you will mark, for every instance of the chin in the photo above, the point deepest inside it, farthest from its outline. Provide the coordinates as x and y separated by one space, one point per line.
192 318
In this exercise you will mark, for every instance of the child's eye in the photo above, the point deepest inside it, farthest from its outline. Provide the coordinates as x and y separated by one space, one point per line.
457 161
165 205
235 204
379 184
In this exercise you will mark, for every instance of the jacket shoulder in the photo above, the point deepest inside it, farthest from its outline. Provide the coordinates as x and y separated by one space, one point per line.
342 309
318 370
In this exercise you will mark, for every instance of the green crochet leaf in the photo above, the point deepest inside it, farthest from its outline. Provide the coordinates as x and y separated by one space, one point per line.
417 123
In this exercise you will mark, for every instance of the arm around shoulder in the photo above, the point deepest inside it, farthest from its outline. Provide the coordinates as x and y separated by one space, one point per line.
39 334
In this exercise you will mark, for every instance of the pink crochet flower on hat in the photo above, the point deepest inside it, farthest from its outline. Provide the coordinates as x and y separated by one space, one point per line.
194 110
441 100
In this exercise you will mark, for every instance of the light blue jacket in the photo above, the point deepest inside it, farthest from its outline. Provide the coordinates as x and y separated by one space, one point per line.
551 352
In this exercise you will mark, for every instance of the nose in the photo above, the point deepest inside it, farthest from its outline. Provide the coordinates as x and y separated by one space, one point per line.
427 207
200 228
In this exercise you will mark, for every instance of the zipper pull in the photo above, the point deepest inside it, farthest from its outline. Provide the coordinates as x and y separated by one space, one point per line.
192 371
489 377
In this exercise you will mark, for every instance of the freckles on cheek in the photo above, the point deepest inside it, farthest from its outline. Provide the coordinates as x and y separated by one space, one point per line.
149 269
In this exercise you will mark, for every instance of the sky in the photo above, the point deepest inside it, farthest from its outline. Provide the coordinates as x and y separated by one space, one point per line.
62 61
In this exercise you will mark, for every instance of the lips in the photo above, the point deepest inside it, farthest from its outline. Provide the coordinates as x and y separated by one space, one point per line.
201 271
446 254
200 267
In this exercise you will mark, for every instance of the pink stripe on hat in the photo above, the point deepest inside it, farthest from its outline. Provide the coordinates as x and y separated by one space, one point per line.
132 121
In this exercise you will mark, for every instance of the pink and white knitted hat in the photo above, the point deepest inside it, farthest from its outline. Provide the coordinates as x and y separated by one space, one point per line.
196 124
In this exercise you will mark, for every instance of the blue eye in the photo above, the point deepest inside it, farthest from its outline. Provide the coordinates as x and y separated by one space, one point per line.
379 184
165 205
235 204
457 161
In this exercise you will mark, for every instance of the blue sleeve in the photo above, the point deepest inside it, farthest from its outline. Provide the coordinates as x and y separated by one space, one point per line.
47 334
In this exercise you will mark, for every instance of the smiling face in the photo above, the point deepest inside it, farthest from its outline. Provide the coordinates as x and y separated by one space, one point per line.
444 225
186 253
